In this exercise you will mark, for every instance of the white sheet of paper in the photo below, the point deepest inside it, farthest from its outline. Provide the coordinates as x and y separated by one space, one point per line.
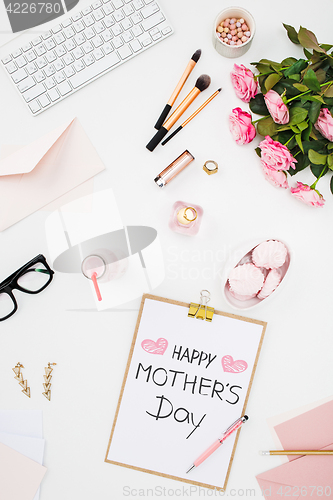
23 422
29 447
170 445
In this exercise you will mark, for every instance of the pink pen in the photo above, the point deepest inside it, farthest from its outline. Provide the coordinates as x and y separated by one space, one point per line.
233 427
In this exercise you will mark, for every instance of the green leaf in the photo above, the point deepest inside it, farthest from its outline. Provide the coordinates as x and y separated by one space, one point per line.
302 163
258 105
302 126
330 162
297 67
272 80
317 158
307 132
267 127
301 87
314 111
258 151
288 61
297 115
321 75
328 92
307 54
261 80
330 145
262 68
326 46
317 170
313 98
286 85
299 142
295 77
310 80
318 145
308 40
292 33
294 128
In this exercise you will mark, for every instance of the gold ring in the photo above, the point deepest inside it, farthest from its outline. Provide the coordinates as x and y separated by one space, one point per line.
208 170
194 212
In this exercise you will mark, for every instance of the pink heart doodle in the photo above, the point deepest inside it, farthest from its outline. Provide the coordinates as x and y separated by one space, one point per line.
231 366
158 347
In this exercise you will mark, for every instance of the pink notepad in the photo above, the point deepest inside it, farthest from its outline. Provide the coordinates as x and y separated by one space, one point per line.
20 477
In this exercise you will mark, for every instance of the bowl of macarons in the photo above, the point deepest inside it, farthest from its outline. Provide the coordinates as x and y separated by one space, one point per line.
256 276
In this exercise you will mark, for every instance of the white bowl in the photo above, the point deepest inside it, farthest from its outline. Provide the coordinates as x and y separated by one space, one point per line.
241 256
233 50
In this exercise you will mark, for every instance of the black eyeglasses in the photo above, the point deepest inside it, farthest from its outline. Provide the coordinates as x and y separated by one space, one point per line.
32 278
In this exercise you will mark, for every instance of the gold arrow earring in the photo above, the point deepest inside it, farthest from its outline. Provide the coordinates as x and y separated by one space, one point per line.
47 380
19 377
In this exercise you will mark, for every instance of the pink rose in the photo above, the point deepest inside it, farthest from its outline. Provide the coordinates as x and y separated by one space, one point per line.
276 177
308 195
277 108
242 78
325 124
275 155
241 127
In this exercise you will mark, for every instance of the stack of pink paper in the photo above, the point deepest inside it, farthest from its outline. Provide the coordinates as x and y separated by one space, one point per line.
303 476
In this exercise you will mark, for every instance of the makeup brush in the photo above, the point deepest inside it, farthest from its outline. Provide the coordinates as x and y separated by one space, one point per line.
191 117
194 59
201 84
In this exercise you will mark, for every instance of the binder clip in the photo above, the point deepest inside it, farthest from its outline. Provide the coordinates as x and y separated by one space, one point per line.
201 311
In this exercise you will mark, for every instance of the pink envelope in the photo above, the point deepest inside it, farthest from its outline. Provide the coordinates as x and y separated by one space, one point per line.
44 170
312 430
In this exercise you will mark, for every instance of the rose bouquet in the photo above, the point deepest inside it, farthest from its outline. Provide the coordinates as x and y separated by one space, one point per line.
296 105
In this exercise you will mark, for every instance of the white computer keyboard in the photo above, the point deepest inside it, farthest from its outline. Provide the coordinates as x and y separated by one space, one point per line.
82 48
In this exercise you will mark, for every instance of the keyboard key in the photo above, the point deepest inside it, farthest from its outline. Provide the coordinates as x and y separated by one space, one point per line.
60 77
166 30
37 40
78 52
17 53
94 70
79 26
31 55
21 61
54 95
128 9
126 24
150 10
50 83
40 50
97 41
34 92
32 68
59 65
66 22
34 106
98 54
69 71
108 21
26 47
118 16
68 59
87 47
117 4
59 38
79 39
60 51
137 30
108 9
88 59
117 42
56 29
69 32
124 51
70 45
116 30
99 27
152 21
147 42
64 88
89 20
136 18
138 4
89 33
157 36
86 11
49 44
49 70
97 4
47 35
39 76
50 56
79 65
107 47
19 75
44 100
127 36
135 46
98 15
76 17
7 59
107 36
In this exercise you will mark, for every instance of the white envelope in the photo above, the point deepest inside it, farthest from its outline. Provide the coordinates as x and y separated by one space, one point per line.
44 170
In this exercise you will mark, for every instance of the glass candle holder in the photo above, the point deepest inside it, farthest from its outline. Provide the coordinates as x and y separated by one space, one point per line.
185 218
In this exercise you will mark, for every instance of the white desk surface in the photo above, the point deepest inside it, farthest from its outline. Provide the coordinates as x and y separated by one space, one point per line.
118 112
